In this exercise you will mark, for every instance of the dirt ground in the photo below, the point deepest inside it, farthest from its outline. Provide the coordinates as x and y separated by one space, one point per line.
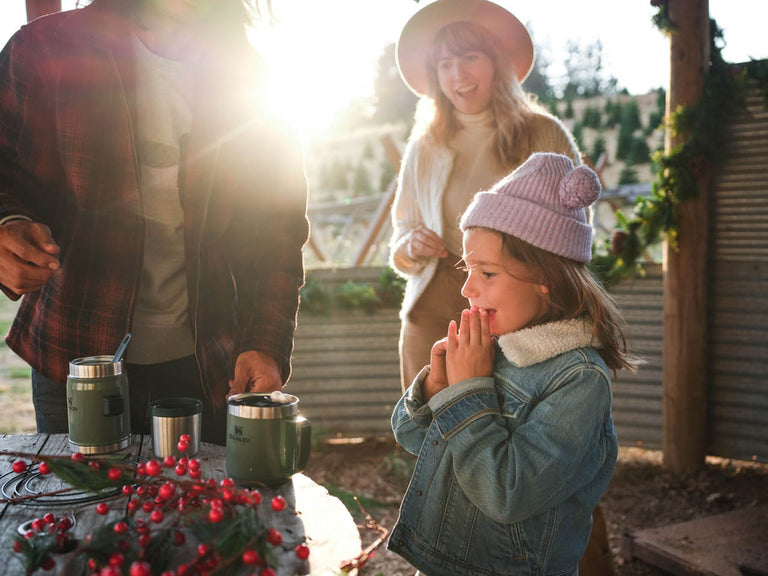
641 495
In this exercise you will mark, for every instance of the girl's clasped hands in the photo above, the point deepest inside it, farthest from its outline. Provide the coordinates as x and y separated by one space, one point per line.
467 352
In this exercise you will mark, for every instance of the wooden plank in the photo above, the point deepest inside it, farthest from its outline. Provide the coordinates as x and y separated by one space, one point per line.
712 546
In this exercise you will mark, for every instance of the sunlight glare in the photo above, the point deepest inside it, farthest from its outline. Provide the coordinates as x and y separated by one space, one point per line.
323 55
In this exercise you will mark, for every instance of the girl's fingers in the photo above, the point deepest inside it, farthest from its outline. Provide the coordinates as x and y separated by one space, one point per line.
485 327
465 330
453 339
475 337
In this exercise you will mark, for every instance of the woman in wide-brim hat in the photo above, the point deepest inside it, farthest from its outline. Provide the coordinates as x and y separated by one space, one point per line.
474 124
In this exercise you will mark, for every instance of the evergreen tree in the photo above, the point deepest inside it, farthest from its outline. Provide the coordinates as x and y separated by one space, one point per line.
598 147
578 134
639 152
628 175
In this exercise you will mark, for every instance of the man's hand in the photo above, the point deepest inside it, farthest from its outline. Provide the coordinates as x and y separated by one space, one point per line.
437 379
469 352
28 256
255 372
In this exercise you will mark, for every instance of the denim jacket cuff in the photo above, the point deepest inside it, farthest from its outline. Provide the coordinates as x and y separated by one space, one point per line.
419 411
464 402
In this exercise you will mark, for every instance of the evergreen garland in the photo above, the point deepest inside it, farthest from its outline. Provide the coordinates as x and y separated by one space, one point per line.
679 171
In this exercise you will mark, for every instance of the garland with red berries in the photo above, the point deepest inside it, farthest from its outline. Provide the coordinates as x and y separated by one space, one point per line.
162 511
678 172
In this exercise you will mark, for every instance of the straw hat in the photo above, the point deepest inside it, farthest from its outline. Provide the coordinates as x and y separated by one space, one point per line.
419 32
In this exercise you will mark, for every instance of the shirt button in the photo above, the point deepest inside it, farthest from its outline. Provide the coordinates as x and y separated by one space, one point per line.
434 442
418 493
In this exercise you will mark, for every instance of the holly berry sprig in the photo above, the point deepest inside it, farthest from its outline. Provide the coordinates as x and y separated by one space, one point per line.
167 501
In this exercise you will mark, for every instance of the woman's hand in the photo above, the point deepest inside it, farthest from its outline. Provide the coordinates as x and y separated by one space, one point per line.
469 351
437 379
424 243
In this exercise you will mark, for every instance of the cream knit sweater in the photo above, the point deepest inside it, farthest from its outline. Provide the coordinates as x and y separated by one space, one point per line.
419 199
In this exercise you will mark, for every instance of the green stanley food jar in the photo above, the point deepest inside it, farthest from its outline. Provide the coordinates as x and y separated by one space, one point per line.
98 410
267 441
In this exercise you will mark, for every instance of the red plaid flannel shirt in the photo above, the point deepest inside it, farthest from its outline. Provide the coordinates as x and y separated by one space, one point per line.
67 159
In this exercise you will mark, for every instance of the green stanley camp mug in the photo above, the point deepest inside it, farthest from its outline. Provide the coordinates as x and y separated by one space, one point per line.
267 441
98 411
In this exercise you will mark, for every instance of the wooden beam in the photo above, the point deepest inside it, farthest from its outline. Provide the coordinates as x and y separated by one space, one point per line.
684 379
37 8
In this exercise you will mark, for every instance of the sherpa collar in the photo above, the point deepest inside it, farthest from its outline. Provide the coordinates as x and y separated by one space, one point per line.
538 343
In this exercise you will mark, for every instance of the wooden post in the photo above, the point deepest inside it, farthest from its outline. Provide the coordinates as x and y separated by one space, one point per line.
684 435
37 8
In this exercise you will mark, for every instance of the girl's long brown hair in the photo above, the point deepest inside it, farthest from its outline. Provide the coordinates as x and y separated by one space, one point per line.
574 293
512 107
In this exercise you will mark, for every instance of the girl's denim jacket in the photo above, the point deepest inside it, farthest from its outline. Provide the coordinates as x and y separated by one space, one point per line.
509 467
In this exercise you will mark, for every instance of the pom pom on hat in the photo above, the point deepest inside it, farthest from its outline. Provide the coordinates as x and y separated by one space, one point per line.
543 203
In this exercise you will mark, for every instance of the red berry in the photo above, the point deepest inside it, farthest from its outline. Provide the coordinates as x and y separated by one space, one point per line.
133 504
185 438
44 468
181 469
110 571
19 466
48 563
114 474
93 465
49 518
195 474
203 549
278 503
274 537
65 524
167 491
77 457
148 506
37 524
18 546
120 528
92 564
268 572
169 462
127 489
153 468
140 569
116 559
302 551
256 495
250 557
216 515
194 464
179 538
157 516
182 446
102 508
227 483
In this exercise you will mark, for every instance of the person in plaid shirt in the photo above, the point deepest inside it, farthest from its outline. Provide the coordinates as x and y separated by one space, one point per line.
146 187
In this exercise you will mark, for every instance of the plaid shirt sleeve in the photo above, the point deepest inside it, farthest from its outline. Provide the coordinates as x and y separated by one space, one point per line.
25 129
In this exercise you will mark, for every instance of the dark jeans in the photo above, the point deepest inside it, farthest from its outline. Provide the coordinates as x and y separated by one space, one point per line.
146 384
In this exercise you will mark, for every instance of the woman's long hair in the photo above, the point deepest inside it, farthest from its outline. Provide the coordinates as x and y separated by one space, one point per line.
574 293
512 107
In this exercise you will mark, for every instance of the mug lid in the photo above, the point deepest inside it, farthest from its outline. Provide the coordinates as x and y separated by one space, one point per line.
175 407
263 406
95 367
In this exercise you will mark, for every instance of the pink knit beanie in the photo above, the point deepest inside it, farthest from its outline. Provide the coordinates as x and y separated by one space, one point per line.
543 203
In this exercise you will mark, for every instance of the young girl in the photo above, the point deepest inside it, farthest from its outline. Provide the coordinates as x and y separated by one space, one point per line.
512 419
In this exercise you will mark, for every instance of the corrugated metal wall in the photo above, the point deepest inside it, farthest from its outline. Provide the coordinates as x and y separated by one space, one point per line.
738 296
346 367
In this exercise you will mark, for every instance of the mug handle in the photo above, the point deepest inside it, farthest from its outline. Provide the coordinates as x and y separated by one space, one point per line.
304 438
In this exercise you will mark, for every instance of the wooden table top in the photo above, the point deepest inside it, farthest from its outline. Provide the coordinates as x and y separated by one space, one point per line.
319 518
